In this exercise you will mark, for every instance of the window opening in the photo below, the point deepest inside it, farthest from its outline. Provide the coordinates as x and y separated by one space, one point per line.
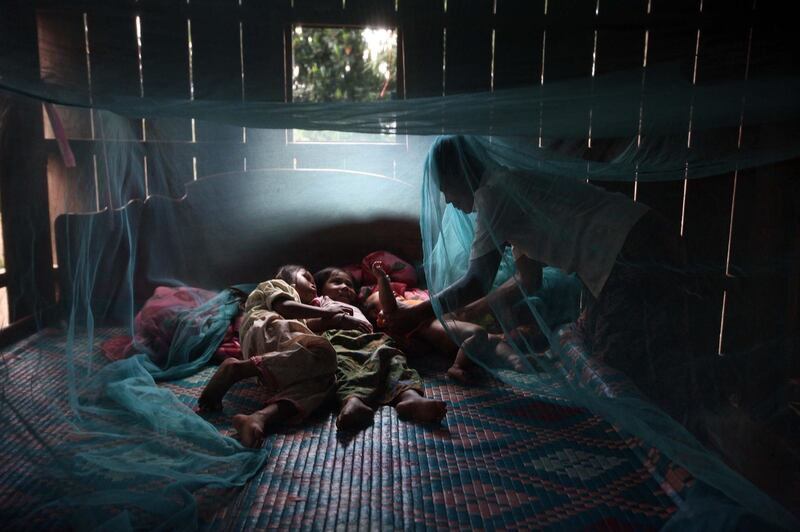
343 64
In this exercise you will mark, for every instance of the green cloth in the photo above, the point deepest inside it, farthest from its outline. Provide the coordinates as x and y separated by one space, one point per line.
370 367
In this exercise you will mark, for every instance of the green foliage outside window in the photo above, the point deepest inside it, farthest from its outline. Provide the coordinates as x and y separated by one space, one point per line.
343 64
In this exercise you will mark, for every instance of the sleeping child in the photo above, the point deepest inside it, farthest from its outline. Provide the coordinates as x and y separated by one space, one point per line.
370 371
280 347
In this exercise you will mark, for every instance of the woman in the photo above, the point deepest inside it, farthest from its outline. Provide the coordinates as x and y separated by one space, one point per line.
625 254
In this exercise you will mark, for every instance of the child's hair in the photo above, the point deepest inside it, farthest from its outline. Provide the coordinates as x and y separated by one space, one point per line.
288 272
322 276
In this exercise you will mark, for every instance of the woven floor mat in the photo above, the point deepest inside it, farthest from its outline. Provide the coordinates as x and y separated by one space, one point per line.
500 459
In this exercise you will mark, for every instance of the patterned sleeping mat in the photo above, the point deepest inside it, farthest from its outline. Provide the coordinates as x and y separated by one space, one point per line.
501 459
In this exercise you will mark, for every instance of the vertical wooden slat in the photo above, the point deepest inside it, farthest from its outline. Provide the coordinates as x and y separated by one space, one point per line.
169 167
215 48
668 43
723 54
165 63
620 48
568 47
61 57
216 72
518 48
762 321
164 48
468 46
265 53
764 252
421 23
23 185
314 11
115 65
570 39
373 13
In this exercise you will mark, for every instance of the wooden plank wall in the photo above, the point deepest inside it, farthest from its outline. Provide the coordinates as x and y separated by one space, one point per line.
241 50
28 275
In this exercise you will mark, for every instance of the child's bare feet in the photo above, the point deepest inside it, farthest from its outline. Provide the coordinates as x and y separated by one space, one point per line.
250 429
354 415
228 373
414 407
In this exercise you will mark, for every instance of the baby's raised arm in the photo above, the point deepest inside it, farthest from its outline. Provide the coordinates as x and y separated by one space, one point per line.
385 293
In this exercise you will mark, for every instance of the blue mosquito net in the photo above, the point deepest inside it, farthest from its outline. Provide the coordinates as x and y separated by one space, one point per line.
550 208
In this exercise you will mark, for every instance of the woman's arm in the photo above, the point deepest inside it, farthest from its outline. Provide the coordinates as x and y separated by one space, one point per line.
472 286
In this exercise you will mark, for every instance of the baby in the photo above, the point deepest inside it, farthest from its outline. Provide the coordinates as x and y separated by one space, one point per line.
469 337
370 371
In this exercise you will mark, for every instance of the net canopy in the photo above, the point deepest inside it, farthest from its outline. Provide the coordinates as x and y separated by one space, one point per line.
644 198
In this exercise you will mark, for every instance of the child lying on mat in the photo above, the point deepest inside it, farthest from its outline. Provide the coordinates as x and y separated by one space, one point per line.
280 347
469 337
370 371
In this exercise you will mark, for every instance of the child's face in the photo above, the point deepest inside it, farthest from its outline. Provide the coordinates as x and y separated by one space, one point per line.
304 284
372 306
339 287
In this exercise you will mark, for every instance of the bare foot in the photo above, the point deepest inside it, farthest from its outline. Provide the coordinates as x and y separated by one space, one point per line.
414 407
250 429
355 415
459 374
221 381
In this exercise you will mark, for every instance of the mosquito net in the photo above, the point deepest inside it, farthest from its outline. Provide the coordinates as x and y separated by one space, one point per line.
645 206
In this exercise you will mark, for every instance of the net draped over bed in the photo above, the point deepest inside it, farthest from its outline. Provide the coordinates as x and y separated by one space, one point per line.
136 456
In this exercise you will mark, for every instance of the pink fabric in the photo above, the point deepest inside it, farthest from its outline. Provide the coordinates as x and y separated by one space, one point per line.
402 274
399 270
155 323
355 271
61 136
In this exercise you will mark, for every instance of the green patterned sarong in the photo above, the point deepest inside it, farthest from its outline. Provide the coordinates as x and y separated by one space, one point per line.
370 367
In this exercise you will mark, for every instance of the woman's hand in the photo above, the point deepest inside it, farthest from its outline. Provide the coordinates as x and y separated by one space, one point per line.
403 319
337 308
